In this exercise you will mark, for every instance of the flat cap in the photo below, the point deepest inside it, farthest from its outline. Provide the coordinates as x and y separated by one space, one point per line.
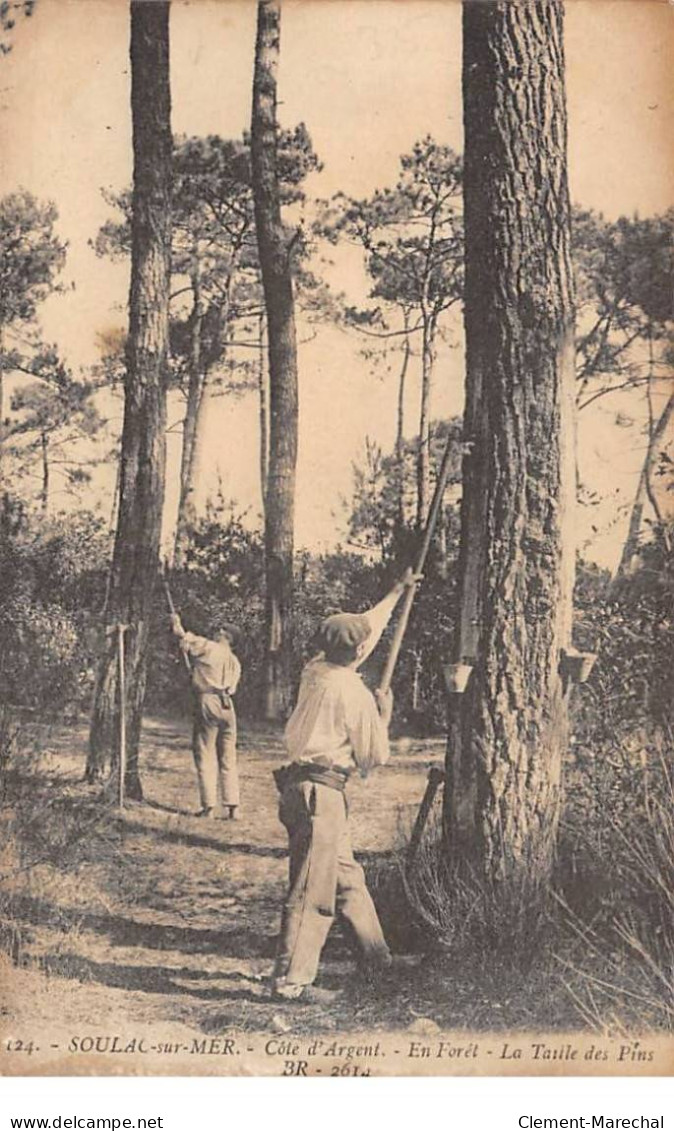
343 632
219 625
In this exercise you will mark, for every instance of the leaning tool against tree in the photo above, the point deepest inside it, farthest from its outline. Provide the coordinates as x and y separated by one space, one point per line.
337 727
215 673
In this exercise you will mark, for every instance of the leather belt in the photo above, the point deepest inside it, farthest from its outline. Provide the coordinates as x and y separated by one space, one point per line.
219 691
334 777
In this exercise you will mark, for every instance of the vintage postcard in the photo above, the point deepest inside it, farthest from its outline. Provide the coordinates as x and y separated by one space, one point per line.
336 536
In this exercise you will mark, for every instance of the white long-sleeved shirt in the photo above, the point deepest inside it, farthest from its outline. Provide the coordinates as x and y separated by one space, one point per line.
214 665
336 716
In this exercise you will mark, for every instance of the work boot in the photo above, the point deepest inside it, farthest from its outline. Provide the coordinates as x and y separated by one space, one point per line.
305 995
207 813
386 973
231 812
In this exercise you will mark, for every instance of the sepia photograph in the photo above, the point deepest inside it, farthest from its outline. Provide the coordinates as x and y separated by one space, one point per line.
336 532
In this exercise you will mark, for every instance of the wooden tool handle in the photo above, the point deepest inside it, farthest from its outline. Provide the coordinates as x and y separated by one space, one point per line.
167 591
121 629
404 617
436 777
172 610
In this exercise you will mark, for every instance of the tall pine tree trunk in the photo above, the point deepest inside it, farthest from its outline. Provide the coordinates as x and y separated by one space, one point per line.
201 453
424 455
263 389
204 392
631 545
2 407
508 731
194 396
283 399
44 492
137 540
400 425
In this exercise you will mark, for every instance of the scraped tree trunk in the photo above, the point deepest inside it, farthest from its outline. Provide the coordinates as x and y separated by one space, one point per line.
137 539
206 389
400 425
263 388
424 456
194 395
2 408
44 492
657 434
276 272
508 731
631 546
201 454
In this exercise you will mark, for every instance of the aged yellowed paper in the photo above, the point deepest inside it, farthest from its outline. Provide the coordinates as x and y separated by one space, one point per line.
141 938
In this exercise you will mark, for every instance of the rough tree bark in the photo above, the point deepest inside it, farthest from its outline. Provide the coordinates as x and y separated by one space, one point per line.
508 731
137 540
274 252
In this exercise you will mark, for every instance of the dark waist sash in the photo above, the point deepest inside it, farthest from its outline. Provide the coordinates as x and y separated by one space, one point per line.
294 773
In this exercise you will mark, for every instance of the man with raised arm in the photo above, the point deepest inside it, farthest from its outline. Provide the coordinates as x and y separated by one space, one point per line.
337 728
215 677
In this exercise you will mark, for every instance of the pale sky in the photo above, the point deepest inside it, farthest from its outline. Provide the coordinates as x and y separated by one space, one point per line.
368 77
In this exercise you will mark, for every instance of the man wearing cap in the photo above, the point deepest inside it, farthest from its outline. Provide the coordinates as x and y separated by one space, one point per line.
215 677
338 727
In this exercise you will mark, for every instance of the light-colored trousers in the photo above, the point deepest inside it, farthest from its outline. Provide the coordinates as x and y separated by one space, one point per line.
214 748
324 880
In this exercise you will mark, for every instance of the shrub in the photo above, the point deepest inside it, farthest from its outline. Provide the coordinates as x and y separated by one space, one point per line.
52 585
616 889
505 921
47 827
628 622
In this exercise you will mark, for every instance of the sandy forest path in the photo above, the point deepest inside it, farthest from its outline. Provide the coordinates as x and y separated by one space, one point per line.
162 918
159 927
